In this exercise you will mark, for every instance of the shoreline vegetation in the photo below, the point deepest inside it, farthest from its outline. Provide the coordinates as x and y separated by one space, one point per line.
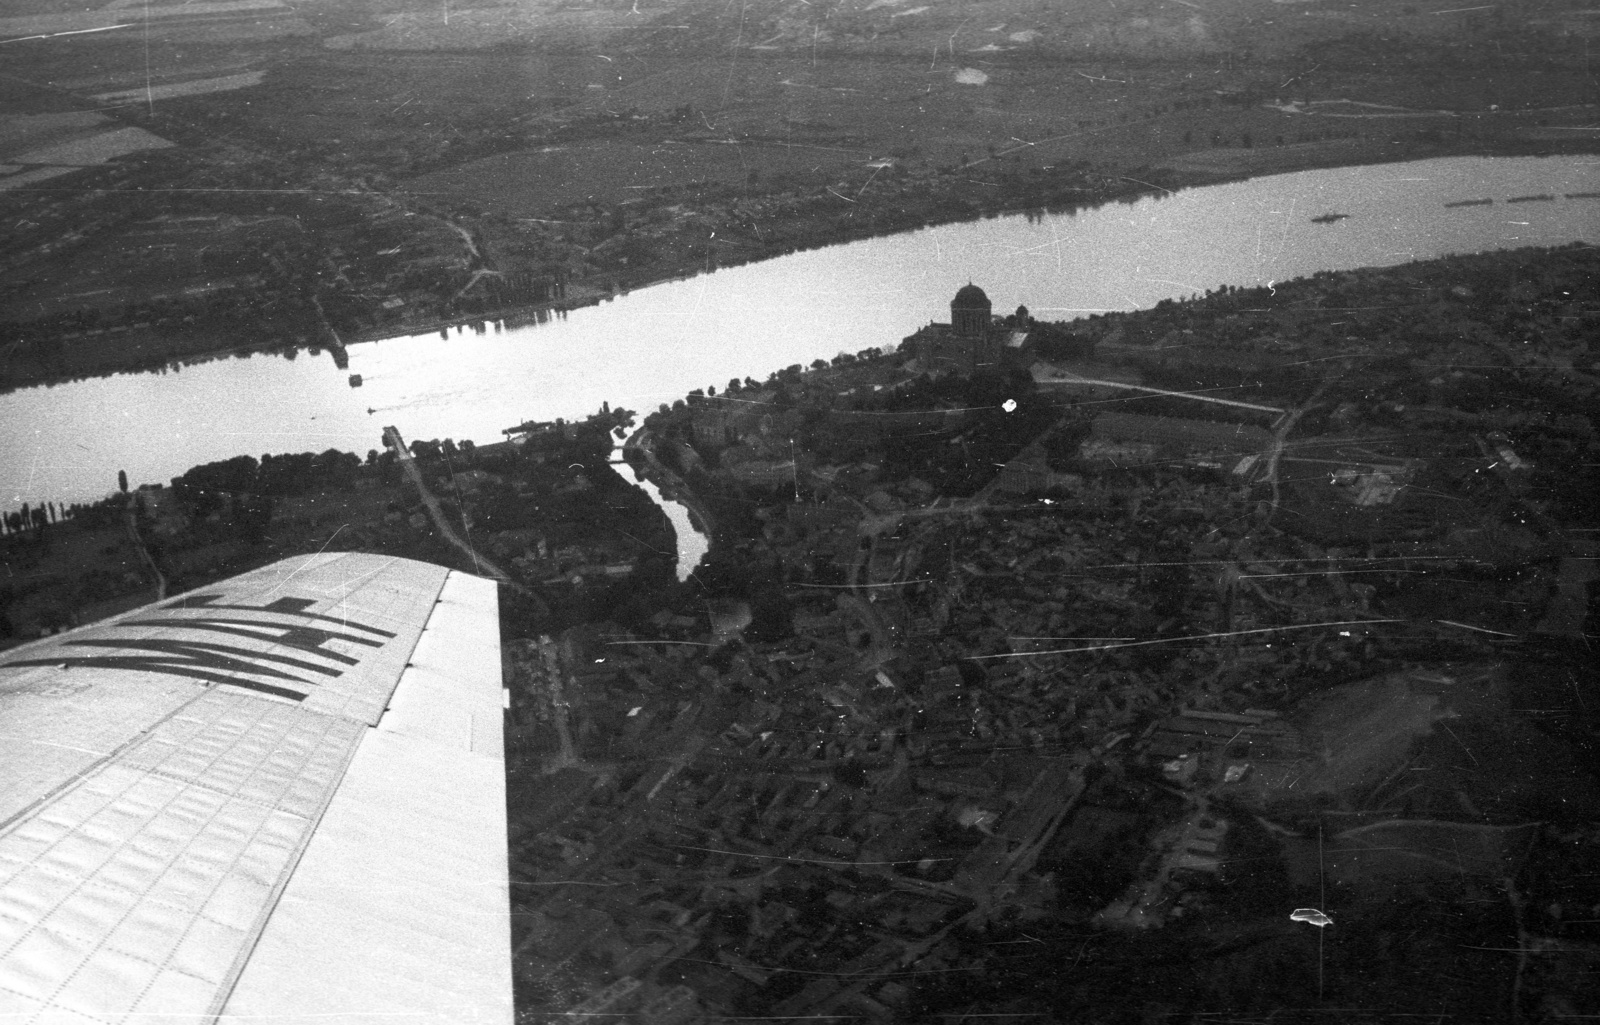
1105 189
1245 342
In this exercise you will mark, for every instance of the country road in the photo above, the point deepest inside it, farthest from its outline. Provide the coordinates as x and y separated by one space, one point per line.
436 512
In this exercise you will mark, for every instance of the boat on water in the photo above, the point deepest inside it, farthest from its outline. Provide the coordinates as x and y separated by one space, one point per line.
1543 197
1469 202
1328 218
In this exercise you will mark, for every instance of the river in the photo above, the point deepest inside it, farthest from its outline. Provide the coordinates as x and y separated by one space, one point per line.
651 346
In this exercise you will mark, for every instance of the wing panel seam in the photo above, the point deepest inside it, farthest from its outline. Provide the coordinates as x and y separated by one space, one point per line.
224 990
65 983
94 767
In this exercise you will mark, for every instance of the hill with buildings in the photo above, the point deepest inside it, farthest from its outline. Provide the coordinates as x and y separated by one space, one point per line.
1027 658
1044 656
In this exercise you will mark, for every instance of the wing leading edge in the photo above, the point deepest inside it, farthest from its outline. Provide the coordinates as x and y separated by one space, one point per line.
281 796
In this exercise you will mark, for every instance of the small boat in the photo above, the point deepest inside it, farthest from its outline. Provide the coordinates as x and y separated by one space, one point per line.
1329 218
355 380
1469 202
1543 197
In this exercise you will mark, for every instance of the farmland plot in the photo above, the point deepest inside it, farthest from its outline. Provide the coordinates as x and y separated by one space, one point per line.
95 149
196 87
20 133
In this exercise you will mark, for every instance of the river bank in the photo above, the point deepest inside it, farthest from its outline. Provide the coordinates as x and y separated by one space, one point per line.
654 345
1241 342
732 227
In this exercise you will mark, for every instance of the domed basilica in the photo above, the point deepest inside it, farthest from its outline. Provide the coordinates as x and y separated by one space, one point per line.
974 338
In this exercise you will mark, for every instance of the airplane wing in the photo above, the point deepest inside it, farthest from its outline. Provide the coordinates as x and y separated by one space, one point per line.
279 797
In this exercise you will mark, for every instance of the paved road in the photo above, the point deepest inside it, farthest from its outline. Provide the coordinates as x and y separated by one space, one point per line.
436 512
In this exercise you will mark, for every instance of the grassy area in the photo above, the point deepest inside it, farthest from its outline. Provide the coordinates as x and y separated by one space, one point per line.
67 575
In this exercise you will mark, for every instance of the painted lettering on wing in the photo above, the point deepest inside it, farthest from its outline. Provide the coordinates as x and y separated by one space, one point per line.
293 648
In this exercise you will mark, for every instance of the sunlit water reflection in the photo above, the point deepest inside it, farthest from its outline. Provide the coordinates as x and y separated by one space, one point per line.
650 347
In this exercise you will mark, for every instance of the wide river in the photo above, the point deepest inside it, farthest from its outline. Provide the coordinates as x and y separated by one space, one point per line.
66 443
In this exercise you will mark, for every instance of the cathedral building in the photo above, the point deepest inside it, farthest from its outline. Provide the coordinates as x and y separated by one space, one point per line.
974 339
970 313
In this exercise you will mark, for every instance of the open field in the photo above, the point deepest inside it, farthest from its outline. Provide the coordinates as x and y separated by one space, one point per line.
94 149
32 177
159 258
825 121
479 28
36 147
193 22
71 20
22 132
194 87
531 182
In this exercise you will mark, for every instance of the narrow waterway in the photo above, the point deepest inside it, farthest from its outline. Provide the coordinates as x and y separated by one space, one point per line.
692 545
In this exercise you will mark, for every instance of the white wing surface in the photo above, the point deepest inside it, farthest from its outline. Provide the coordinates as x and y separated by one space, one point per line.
280 797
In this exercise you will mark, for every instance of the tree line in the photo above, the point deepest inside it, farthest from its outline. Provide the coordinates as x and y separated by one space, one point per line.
243 486
36 519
